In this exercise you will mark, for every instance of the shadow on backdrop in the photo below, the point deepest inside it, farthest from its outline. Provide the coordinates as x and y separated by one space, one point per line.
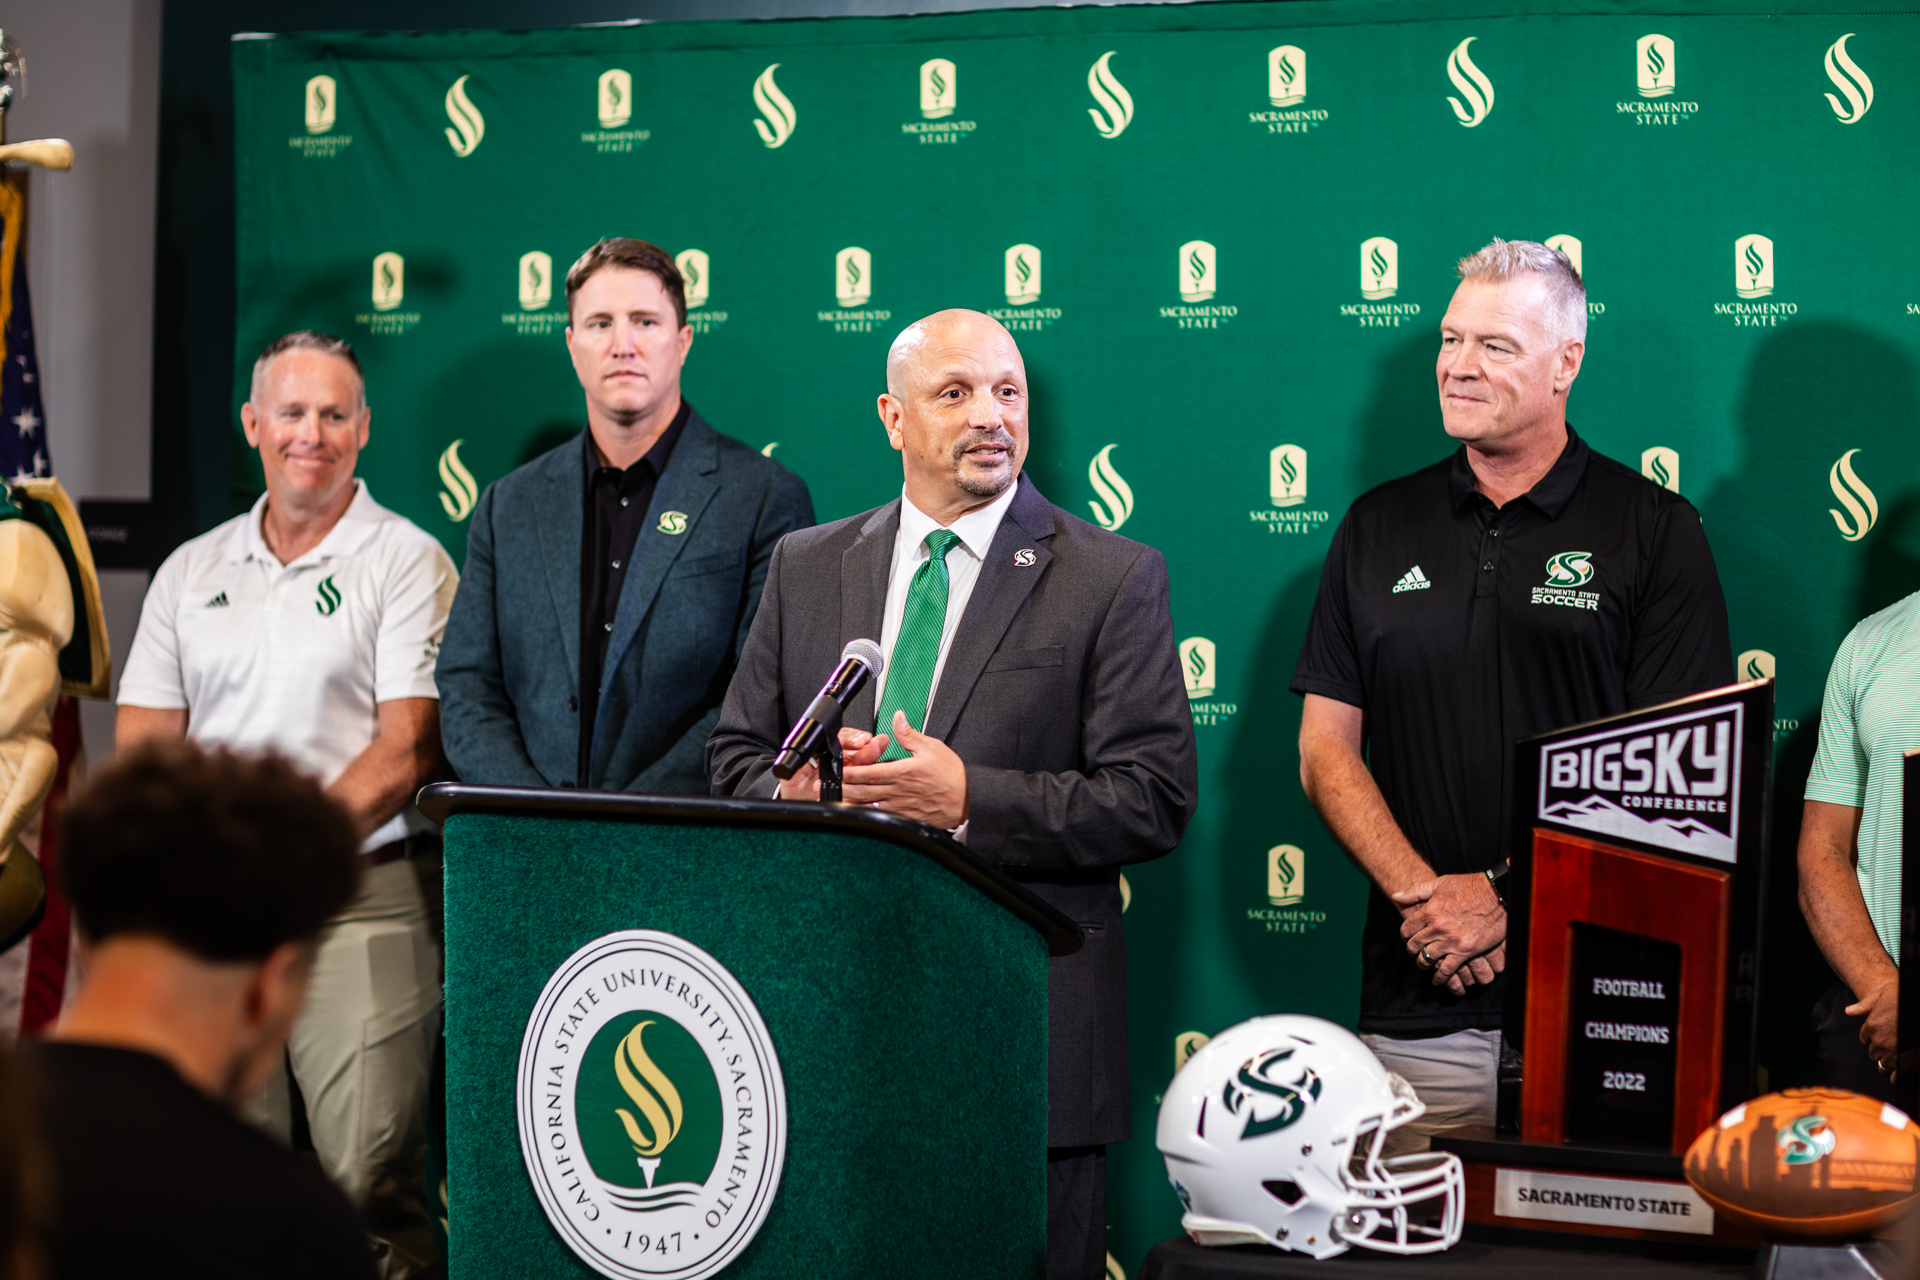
1814 392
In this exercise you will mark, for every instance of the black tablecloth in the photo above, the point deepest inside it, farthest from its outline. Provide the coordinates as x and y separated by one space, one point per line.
1181 1259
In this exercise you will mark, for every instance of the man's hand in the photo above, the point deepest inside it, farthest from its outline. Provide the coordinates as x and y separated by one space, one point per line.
1881 1032
931 786
857 747
1454 920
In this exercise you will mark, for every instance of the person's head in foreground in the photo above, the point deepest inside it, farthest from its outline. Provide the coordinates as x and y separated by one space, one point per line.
201 881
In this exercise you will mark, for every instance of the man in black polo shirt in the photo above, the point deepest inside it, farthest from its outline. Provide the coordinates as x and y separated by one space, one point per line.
1523 584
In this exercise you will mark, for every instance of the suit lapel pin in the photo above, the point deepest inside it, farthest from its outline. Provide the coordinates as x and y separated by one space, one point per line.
1024 557
673 522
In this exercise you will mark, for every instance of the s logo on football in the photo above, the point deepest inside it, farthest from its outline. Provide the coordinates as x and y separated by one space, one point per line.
1256 1077
1805 1140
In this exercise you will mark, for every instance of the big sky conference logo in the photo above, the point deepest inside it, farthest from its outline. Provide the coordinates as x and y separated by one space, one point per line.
852 291
939 99
1379 281
1198 266
322 109
613 108
1199 667
388 295
1753 285
1288 512
1287 112
1656 82
651 1106
1672 783
1021 280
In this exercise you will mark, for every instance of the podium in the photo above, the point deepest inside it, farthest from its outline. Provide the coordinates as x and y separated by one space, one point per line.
688 1037
1633 919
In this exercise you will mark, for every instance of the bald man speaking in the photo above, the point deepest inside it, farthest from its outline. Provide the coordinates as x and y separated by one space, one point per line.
1032 703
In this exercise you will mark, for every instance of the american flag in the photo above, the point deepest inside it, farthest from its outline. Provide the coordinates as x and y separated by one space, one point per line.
23 420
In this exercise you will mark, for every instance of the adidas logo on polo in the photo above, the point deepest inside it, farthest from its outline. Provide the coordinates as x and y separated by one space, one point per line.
1412 580
218 602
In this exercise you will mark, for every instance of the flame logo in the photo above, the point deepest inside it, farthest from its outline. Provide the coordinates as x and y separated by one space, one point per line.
389 281
1287 70
853 276
1288 472
939 83
1379 268
1286 75
1472 84
1753 266
653 1095
1378 261
1854 495
1662 466
462 490
779 117
329 597
1849 80
1655 63
1112 96
536 280
320 99
1197 666
1286 875
1755 664
1021 271
616 98
469 126
1113 490
1186 1044
1256 1077
768 451
696 276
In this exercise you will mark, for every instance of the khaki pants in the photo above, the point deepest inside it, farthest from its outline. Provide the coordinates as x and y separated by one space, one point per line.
1453 1074
362 1053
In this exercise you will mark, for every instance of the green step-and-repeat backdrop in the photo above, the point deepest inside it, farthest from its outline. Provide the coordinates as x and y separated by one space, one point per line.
1224 235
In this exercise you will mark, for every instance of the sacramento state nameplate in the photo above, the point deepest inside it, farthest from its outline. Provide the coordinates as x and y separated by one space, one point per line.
653 1115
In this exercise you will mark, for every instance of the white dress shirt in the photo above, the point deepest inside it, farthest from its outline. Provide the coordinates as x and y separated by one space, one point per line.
975 530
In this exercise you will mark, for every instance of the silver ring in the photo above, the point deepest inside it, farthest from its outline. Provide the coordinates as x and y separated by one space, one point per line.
1431 962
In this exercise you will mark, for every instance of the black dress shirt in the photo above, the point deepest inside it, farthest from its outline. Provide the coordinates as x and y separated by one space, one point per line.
613 516
1461 628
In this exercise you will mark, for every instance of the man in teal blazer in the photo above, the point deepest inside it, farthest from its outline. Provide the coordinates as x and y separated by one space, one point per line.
610 583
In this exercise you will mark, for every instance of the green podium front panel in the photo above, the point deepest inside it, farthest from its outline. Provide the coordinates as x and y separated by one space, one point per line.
908 1013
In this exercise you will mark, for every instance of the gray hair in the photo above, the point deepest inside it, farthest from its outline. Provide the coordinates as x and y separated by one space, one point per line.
1504 260
306 340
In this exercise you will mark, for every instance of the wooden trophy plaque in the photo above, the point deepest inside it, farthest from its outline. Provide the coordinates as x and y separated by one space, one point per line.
1632 923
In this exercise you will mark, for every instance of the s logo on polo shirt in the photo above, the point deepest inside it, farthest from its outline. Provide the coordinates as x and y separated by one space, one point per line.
1566 571
329 597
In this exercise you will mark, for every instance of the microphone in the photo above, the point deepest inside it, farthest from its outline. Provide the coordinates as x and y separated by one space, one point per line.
860 662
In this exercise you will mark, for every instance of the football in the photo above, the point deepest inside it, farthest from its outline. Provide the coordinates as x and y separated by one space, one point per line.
1808 1164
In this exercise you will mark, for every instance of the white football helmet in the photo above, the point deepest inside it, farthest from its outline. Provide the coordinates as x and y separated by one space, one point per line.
1272 1135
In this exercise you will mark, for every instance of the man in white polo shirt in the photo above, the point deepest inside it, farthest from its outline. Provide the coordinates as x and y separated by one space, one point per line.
310 626
1850 846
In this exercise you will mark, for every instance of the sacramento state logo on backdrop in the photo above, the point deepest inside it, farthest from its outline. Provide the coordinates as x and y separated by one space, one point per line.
1021 278
1379 280
468 127
1197 264
613 106
1662 466
1476 91
1115 503
461 490
1656 82
1200 668
1115 111
1287 492
1754 664
388 293
1753 262
1862 509
939 99
1286 875
1854 86
1286 94
852 291
536 316
322 102
777 119
1572 248
643 1062
696 277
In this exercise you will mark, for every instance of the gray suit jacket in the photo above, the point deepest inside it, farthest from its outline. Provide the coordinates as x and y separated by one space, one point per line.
509 667
1061 692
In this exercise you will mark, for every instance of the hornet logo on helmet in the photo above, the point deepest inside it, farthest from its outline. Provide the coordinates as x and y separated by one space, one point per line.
1472 84
1805 1140
1255 1090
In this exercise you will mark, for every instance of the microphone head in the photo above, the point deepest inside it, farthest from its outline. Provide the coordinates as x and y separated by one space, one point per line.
868 652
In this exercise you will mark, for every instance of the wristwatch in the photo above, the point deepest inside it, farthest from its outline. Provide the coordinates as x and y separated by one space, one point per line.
1497 873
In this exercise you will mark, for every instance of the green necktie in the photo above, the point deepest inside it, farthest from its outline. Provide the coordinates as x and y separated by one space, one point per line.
916 650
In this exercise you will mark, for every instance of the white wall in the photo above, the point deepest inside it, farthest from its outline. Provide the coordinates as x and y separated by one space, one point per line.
93 78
